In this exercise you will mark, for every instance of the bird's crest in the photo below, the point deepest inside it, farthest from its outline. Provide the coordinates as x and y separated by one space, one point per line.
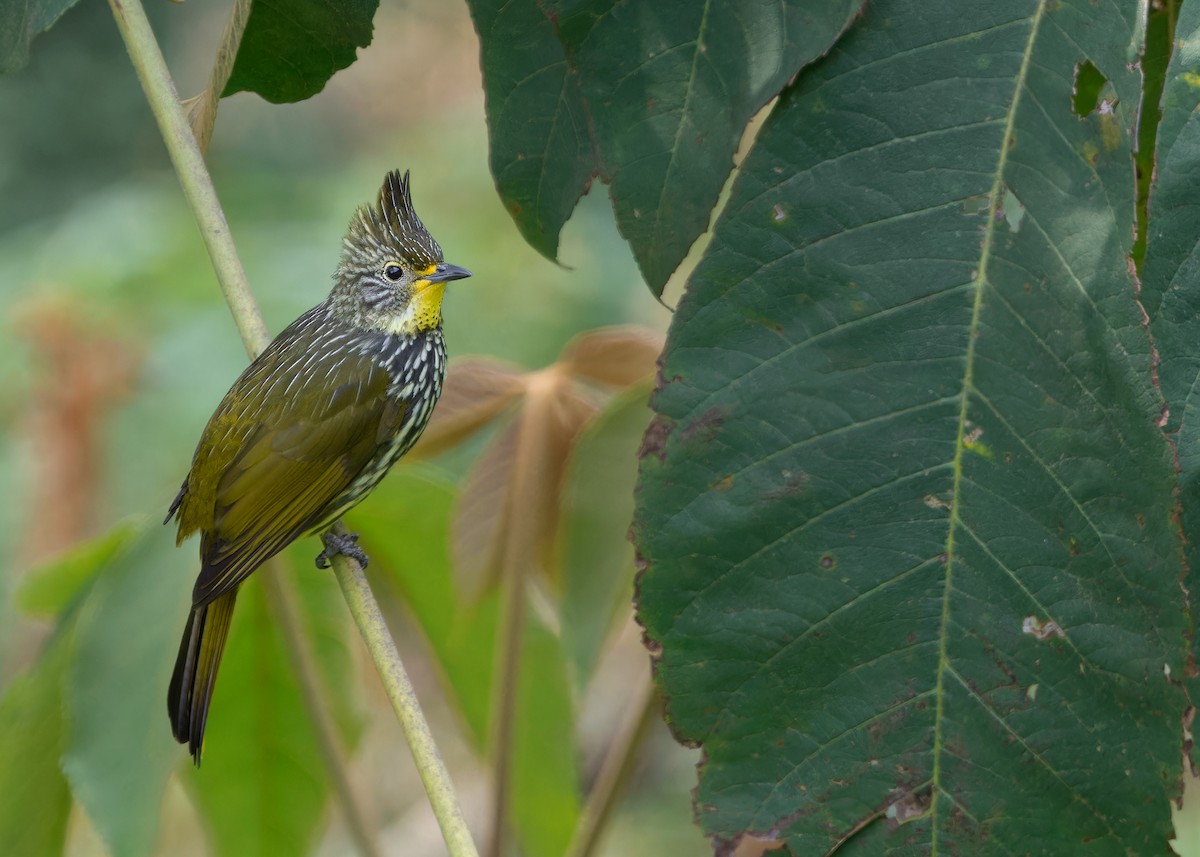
388 228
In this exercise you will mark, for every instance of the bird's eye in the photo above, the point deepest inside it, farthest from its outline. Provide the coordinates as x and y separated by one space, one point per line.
393 271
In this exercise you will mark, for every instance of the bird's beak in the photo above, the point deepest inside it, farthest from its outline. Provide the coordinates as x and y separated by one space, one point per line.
445 272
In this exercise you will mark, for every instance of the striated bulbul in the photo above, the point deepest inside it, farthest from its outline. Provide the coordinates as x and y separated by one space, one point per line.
311 427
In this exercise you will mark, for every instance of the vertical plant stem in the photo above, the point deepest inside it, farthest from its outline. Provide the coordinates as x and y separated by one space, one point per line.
507 677
197 186
614 770
404 702
517 556
281 600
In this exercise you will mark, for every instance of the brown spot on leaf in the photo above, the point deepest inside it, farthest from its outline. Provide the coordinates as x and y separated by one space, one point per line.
654 441
706 425
795 483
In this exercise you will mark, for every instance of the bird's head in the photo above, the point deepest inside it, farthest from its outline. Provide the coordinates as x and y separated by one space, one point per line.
392 275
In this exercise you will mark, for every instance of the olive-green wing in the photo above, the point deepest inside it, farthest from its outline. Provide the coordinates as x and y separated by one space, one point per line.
305 449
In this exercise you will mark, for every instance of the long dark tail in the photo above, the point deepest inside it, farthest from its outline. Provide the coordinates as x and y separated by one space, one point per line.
196 670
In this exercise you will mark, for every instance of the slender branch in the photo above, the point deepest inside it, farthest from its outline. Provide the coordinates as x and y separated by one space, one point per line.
197 186
518 555
281 599
614 770
506 678
404 702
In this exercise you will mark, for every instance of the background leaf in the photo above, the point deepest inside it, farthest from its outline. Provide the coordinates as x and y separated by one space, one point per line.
118 755
20 22
613 356
37 799
652 96
47 589
670 88
898 569
291 48
541 152
477 391
597 506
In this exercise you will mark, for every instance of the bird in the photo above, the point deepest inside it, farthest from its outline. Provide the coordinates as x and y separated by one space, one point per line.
310 428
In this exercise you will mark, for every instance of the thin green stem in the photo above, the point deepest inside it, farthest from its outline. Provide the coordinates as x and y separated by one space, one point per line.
281 601
504 706
404 701
198 188
614 770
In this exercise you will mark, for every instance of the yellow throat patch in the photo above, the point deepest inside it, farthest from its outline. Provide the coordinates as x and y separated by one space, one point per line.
424 310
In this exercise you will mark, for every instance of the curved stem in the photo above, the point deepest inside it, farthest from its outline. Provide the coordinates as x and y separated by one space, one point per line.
197 186
614 770
281 601
506 690
404 702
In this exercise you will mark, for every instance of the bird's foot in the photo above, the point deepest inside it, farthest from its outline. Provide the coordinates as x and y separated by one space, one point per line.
346 545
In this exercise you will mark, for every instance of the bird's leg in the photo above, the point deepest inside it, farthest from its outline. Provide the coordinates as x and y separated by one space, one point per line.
345 545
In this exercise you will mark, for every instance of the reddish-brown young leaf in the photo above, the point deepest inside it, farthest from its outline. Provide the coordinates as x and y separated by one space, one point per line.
477 390
613 356
507 512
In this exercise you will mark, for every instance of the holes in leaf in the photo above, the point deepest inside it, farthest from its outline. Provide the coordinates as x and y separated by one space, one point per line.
1089 83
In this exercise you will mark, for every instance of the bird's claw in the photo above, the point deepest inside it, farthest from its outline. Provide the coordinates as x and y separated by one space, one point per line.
345 545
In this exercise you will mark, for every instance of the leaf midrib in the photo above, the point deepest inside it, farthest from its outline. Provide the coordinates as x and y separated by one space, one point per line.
968 371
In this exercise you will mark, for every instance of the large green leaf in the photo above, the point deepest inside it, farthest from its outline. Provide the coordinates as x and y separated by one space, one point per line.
404 528
905 508
671 87
37 800
119 751
20 22
541 151
652 96
291 48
